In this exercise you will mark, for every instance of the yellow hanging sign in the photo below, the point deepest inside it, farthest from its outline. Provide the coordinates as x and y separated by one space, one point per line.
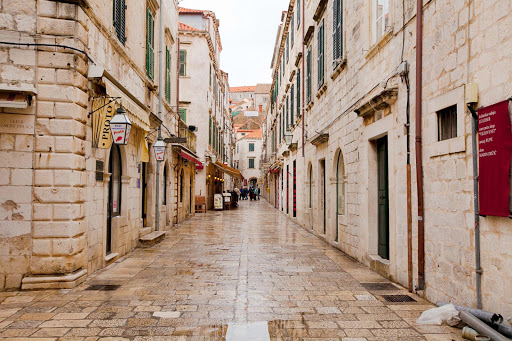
104 109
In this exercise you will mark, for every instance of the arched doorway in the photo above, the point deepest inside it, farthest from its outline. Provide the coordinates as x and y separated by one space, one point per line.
253 182
340 191
114 192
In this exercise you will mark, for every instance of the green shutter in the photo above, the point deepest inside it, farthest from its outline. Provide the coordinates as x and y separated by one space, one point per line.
183 63
150 44
292 102
119 18
308 76
210 132
183 114
320 55
298 93
337 31
167 75
292 29
298 13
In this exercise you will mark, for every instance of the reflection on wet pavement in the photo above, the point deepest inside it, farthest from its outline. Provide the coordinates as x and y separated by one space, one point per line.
245 274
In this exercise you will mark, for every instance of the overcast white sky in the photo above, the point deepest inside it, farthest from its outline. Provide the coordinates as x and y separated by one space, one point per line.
248 31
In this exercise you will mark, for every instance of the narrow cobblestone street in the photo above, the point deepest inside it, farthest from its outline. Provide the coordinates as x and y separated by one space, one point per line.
245 274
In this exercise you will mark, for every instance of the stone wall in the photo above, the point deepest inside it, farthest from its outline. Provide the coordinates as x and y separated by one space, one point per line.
469 44
464 43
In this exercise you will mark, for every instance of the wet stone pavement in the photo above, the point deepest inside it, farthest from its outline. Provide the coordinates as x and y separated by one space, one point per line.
245 274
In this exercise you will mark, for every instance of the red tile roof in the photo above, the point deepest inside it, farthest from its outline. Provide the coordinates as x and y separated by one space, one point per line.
256 134
185 27
242 89
189 10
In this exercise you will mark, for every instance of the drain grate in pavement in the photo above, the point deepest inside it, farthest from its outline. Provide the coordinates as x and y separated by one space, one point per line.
103 287
398 298
379 286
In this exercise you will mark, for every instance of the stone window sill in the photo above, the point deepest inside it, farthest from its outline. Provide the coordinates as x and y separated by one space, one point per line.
379 44
309 106
451 146
321 91
340 67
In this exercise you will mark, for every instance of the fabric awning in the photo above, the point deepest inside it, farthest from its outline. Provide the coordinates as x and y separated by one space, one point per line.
276 166
228 170
189 157
13 100
137 115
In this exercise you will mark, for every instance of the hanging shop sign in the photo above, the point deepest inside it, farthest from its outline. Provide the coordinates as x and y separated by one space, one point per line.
103 109
494 154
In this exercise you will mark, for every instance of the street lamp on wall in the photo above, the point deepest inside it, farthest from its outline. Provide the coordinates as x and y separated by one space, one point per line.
213 158
120 127
288 137
159 148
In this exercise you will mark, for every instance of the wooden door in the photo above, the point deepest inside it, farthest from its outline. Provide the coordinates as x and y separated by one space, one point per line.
383 197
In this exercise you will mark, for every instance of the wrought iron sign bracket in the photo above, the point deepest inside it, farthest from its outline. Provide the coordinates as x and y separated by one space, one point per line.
112 99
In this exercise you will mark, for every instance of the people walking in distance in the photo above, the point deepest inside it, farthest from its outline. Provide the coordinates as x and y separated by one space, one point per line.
258 191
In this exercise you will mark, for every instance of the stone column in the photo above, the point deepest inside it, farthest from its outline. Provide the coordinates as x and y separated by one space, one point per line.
59 257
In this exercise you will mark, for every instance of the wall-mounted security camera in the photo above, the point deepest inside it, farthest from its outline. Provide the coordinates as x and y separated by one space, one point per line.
193 128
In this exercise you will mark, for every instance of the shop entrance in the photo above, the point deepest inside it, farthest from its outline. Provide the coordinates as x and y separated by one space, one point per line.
144 185
114 192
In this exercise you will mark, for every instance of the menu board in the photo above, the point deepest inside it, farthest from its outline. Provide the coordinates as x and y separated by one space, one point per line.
494 155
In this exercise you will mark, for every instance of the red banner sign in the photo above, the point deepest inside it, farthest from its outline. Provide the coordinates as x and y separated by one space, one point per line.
494 154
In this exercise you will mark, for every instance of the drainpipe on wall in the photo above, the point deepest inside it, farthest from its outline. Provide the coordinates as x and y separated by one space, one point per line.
178 118
157 181
302 81
419 154
476 207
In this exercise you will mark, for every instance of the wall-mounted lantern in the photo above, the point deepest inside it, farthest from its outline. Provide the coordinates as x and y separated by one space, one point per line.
159 148
288 137
120 127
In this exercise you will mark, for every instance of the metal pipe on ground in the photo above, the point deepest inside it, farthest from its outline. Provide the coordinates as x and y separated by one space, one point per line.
483 315
481 327
469 333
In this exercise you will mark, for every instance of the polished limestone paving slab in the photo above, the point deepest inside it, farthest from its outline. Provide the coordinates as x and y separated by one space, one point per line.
244 274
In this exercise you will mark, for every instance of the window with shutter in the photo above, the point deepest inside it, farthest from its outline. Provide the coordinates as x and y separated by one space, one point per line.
298 93
287 114
167 74
119 19
337 32
308 76
320 56
292 102
251 147
298 13
150 44
287 48
210 132
183 63
292 29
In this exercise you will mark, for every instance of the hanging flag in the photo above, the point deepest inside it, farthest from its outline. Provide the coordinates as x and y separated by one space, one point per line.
494 155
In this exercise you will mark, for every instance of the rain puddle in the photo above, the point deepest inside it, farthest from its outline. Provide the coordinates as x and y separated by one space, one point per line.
255 331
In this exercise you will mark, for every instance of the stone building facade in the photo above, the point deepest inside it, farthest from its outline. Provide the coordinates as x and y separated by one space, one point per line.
200 50
343 94
72 202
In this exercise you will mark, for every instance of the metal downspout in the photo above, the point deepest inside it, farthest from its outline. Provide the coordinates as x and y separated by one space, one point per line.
419 153
157 181
178 118
302 82
476 206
